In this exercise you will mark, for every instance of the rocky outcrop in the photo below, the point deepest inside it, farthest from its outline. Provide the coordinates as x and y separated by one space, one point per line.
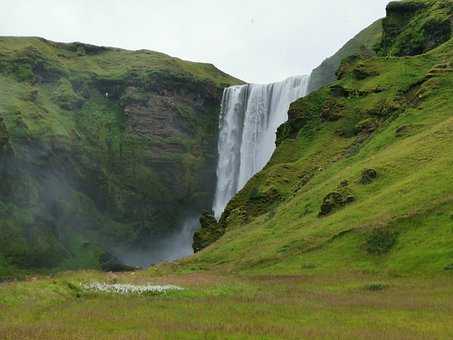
337 199
209 232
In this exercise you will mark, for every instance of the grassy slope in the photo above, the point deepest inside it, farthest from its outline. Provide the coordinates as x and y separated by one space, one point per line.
390 114
411 196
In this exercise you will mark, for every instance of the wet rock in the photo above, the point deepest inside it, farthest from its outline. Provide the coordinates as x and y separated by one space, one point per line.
368 176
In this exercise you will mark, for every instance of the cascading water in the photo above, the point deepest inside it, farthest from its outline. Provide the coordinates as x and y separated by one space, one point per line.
249 119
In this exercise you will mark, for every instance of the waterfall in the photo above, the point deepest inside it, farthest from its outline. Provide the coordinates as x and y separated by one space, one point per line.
249 118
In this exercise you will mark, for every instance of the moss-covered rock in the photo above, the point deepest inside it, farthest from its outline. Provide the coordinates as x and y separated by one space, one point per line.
209 232
337 199
368 176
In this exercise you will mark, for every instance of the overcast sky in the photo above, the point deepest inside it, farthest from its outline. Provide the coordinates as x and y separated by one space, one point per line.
254 40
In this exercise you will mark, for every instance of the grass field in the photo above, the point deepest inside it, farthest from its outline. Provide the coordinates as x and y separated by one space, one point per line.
216 306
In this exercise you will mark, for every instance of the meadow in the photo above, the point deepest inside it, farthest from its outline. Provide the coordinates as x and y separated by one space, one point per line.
218 306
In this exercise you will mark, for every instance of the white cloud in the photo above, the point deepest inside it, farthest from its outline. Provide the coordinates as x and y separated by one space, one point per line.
255 40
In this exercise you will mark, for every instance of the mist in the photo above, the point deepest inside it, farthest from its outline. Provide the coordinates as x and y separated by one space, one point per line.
168 247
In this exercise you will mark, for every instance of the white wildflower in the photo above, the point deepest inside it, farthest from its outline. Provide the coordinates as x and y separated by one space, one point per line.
127 289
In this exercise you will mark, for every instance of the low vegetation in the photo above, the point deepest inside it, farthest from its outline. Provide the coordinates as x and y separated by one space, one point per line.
214 306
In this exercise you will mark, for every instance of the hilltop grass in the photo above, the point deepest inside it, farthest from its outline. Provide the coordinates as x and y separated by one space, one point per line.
112 62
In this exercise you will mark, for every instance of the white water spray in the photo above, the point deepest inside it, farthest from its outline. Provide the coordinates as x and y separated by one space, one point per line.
249 119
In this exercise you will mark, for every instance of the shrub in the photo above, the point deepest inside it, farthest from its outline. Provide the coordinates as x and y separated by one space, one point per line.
375 286
380 241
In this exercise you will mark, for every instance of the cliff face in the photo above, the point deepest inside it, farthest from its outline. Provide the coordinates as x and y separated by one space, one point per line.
361 177
101 149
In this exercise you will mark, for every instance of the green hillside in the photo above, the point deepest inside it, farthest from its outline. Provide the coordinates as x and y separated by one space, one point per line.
101 150
361 178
